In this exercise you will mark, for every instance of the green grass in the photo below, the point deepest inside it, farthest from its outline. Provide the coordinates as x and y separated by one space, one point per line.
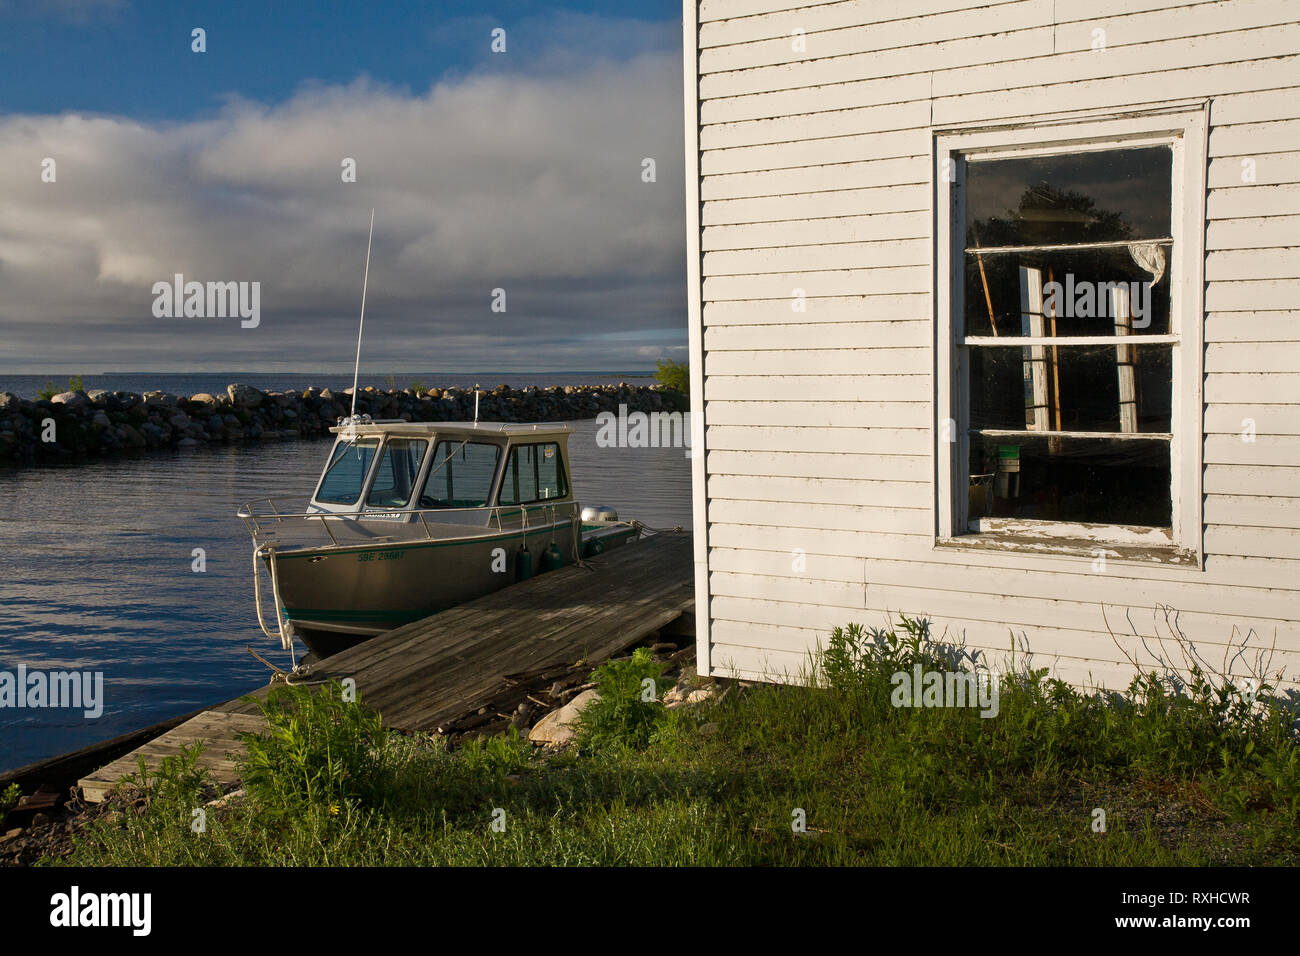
50 390
629 713
9 798
1187 774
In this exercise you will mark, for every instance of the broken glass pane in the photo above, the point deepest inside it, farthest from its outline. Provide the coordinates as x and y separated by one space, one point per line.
1102 388
1092 480
1067 293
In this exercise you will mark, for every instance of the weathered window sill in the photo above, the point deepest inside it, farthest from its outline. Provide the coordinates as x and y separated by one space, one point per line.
1120 544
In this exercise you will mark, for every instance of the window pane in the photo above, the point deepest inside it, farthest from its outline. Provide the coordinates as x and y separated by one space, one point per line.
533 473
1071 292
460 476
1083 197
550 474
518 485
396 473
1095 480
346 472
1102 388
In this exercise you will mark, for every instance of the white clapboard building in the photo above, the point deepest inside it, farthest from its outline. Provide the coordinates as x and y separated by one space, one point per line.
995 319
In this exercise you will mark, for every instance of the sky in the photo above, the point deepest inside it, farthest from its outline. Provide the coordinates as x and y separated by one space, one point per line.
551 171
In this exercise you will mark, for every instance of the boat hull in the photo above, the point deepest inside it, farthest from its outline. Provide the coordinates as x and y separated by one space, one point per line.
336 598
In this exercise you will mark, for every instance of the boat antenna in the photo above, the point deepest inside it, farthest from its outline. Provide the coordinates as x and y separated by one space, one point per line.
476 403
364 283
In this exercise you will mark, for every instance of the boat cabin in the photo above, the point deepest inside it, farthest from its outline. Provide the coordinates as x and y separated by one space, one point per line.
397 470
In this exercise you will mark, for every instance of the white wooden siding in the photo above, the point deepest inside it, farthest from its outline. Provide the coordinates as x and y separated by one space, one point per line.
814 175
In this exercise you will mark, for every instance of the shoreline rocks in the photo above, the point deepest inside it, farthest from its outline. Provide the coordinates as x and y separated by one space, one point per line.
75 425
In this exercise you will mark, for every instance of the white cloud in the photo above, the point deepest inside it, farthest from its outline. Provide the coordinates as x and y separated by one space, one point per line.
527 182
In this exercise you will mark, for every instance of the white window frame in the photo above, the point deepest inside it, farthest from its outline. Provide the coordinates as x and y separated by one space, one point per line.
1183 127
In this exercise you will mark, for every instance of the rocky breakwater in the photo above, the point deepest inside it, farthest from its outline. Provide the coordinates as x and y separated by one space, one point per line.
96 423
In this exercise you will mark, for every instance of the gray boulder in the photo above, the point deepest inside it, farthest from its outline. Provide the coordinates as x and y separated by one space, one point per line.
559 726
131 437
76 399
121 401
245 396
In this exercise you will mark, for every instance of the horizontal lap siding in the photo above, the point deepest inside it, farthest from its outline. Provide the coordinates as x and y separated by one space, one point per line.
817 283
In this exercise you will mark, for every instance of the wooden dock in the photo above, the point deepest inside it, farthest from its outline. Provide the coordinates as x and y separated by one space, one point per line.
423 675
218 732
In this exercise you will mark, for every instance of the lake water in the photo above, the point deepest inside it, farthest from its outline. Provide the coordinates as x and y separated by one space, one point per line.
95 570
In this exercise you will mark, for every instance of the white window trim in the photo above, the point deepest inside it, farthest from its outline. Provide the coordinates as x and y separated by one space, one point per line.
1183 126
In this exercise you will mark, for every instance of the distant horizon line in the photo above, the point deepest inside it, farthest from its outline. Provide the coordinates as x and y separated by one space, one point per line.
348 372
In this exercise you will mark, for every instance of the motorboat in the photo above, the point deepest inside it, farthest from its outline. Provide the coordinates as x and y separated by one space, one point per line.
411 518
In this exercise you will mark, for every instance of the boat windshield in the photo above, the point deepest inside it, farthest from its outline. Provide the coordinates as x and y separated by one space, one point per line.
395 476
346 472
461 475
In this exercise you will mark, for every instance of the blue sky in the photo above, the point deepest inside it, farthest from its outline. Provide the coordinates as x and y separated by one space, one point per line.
134 58
519 170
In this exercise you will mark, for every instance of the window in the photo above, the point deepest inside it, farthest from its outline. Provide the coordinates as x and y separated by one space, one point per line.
460 475
1069 385
395 475
346 472
533 473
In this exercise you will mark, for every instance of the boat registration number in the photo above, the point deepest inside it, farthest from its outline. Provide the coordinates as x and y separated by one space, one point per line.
380 555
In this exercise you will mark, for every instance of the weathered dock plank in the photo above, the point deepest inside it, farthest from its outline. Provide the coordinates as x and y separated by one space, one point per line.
423 674
217 732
